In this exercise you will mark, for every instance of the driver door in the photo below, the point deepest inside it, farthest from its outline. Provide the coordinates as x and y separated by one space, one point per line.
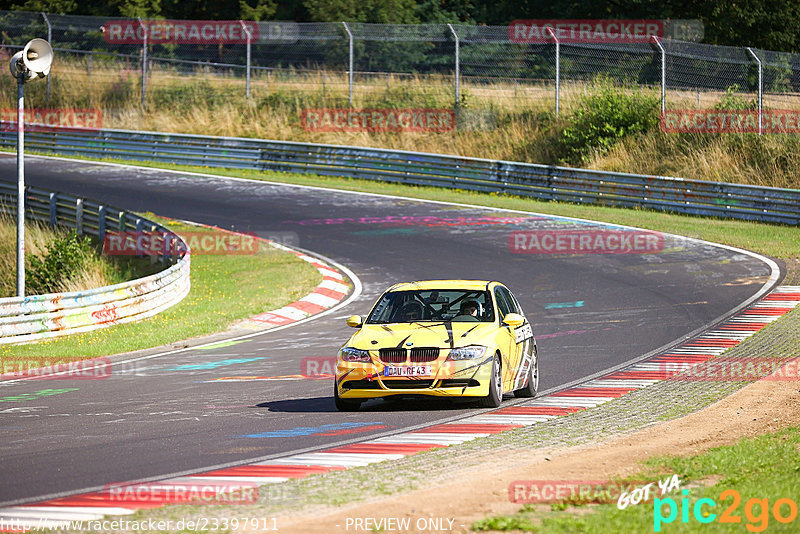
506 337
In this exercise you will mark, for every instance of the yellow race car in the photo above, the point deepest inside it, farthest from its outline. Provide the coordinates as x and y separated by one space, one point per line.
444 338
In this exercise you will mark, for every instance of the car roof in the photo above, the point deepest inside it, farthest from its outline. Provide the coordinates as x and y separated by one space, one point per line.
426 285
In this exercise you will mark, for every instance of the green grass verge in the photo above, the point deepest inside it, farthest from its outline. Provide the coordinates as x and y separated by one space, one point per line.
766 467
225 288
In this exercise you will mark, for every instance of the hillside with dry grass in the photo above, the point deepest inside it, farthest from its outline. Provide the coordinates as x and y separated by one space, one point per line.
509 121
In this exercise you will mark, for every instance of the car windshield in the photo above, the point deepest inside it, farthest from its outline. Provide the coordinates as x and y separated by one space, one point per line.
433 305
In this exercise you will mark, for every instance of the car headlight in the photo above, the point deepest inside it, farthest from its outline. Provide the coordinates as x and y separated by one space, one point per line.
350 354
470 352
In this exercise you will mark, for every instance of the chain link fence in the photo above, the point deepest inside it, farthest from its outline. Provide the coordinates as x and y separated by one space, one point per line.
454 65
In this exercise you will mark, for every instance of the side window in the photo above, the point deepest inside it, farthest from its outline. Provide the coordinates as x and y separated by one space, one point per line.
517 306
502 302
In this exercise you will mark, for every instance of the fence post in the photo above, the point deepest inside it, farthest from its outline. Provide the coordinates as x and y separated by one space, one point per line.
558 68
49 40
663 74
458 65
144 60
760 90
350 65
249 39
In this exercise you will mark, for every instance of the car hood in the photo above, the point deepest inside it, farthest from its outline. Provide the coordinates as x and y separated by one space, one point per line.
444 334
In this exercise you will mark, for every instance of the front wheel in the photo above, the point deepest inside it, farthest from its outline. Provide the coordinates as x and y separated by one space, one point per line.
532 386
495 396
345 405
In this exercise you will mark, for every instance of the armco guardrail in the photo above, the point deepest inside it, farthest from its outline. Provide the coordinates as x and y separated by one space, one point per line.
766 204
24 319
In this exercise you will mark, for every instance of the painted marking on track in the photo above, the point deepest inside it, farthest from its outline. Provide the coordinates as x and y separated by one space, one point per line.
353 430
213 365
314 430
387 231
36 395
552 305
222 344
279 377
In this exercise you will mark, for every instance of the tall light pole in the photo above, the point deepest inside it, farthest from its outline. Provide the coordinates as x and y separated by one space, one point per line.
33 61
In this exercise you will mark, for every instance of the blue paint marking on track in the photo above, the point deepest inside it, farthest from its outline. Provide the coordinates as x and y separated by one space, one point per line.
308 430
552 305
212 365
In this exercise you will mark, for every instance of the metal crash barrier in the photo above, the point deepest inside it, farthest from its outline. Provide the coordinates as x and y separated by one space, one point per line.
695 197
35 317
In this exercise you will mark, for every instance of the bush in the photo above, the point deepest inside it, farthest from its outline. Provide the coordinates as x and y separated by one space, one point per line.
65 257
730 101
603 118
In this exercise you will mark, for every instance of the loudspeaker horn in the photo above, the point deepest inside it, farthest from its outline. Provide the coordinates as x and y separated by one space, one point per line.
34 60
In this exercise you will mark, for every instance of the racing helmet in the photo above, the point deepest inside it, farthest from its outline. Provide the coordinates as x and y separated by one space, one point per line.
471 304
411 311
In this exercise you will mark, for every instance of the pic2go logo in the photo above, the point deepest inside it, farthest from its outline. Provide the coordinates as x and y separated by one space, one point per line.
756 511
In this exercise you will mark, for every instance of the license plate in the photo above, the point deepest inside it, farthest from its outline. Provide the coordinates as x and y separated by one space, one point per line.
407 370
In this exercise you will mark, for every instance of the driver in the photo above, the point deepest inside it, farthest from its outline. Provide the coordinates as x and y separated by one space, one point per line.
411 311
468 312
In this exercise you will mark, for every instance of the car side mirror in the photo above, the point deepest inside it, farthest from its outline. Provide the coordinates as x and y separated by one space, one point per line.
356 321
513 319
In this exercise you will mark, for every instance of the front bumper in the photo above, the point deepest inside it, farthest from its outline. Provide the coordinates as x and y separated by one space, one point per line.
466 378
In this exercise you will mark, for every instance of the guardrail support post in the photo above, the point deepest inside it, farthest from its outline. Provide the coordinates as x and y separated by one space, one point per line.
760 90
350 65
663 74
144 60
53 209
79 216
101 222
458 66
49 40
249 40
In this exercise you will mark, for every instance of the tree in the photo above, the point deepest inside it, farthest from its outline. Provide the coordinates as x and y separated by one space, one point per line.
47 6
375 11
263 10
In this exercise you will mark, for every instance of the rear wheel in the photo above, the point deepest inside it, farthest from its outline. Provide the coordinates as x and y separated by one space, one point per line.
345 405
532 386
495 396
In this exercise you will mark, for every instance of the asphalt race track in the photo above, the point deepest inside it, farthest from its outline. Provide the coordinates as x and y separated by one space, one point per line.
171 414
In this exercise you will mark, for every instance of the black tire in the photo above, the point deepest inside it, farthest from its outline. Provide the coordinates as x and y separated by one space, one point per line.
345 405
495 396
532 386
